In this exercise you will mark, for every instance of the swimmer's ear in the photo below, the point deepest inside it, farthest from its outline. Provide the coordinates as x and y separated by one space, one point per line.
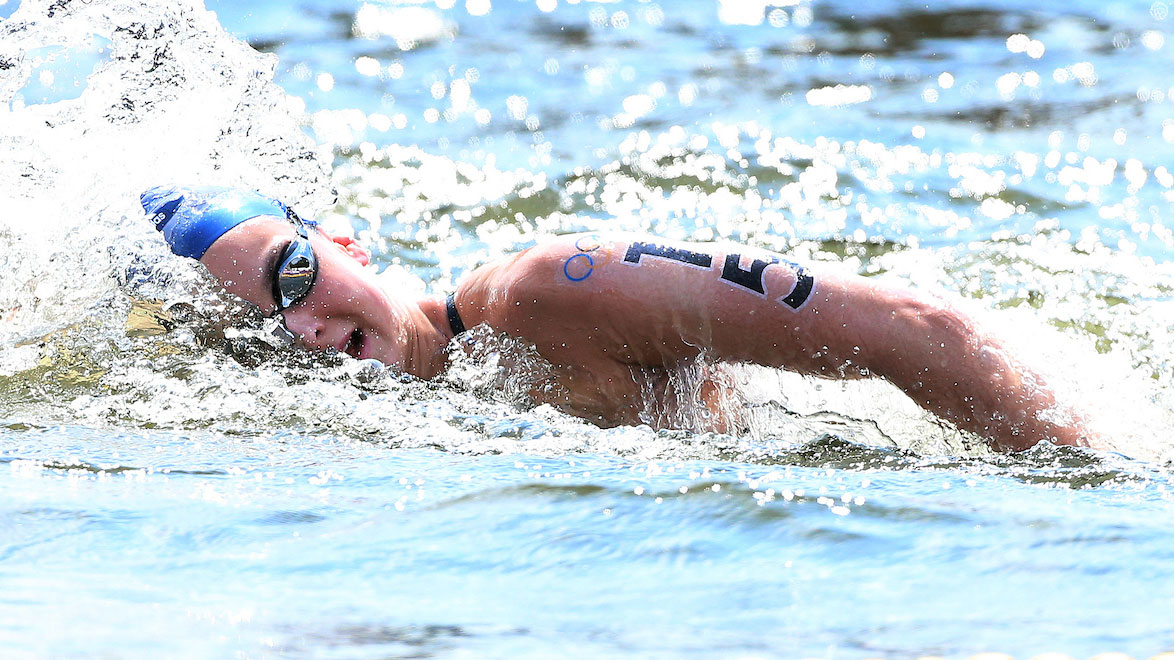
351 247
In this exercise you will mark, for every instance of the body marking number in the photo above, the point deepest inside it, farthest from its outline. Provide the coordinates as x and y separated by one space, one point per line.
751 279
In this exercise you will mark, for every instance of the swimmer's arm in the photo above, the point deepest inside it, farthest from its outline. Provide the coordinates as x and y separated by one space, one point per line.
662 310
942 360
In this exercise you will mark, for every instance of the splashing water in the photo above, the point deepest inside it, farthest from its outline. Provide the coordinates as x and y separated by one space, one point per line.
172 97
215 480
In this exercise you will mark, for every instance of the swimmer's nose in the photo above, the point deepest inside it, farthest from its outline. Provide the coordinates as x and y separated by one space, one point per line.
305 326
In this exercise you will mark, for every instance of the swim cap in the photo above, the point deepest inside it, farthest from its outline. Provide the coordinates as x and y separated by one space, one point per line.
192 218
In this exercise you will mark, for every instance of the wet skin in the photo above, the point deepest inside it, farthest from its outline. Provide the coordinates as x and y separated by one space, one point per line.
344 310
600 311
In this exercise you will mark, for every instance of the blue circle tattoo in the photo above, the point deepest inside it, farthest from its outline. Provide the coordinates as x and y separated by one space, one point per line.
590 267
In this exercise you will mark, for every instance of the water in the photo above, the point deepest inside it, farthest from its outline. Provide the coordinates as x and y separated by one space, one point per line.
174 486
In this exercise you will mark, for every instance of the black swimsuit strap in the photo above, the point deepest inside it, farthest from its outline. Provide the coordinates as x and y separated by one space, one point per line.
454 319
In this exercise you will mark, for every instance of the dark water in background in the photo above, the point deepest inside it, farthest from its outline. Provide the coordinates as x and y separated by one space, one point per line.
162 497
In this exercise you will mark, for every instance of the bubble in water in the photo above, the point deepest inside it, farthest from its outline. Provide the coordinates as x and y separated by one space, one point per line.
741 12
517 107
639 104
367 66
478 7
839 95
654 16
1085 73
802 16
1007 83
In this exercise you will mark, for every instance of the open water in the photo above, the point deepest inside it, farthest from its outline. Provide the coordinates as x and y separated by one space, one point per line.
171 485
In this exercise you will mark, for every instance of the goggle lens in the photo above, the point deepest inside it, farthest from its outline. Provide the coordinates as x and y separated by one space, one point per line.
296 271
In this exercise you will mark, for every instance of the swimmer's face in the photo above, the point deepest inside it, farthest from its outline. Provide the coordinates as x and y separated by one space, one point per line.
345 309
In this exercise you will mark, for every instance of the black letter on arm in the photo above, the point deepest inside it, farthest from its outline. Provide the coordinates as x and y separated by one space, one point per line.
752 279
804 283
747 279
635 250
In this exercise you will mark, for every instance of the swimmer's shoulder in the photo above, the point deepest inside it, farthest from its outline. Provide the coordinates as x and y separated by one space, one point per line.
560 248
558 276
547 261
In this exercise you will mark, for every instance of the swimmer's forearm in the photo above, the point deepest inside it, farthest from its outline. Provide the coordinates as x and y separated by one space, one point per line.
946 364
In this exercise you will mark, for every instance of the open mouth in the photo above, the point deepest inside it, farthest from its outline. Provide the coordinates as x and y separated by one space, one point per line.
354 345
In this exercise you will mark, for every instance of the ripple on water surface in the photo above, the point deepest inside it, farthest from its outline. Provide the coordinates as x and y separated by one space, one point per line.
171 479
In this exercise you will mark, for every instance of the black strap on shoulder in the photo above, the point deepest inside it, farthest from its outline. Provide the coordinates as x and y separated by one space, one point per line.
454 319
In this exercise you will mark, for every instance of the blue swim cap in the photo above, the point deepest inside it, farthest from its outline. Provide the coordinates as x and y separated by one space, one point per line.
192 218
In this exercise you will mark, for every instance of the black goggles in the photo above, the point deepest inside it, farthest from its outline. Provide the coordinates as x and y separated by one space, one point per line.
297 267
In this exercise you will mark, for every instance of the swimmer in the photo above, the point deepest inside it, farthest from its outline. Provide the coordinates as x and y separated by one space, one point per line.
600 308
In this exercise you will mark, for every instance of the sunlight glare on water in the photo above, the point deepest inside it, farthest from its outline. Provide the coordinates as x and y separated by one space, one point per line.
173 480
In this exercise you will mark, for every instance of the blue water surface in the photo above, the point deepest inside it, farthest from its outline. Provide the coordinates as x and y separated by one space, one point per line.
298 545
161 499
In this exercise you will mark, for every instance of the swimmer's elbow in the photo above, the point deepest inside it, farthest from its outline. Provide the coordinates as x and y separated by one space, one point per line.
914 332
933 320
945 322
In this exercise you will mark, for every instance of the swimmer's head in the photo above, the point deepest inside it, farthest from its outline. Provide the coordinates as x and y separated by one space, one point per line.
261 251
191 219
